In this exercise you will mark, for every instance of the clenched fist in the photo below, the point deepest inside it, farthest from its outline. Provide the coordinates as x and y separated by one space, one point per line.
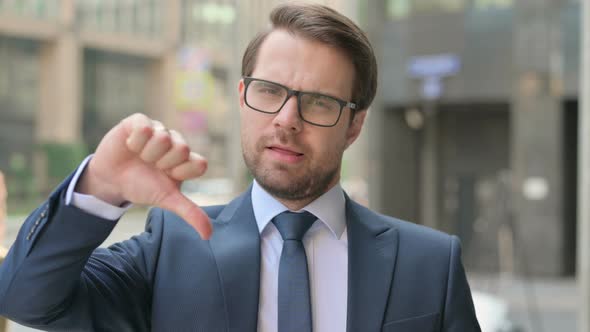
141 162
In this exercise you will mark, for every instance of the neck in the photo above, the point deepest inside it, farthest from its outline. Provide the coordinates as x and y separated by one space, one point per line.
298 204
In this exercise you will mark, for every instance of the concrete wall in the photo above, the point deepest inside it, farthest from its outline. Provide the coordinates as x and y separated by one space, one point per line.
525 58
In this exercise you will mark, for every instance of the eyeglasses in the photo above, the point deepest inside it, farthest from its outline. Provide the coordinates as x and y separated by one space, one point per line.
314 108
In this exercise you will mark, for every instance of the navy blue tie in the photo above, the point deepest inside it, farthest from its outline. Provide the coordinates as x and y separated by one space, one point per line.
294 305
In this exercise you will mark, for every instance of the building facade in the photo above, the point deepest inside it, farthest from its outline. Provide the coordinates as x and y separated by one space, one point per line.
70 70
479 114
474 130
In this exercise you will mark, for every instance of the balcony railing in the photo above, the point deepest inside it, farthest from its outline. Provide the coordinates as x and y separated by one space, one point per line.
36 9
127 17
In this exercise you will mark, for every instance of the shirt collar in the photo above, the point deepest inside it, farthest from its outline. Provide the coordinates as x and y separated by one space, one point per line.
329 208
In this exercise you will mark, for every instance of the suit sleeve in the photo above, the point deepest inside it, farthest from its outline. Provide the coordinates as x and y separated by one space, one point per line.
459 313
54 277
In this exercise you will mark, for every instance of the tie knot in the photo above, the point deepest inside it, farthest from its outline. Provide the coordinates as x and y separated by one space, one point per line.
293 226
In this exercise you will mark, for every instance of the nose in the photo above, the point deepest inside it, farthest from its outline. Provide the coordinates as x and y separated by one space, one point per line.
288 117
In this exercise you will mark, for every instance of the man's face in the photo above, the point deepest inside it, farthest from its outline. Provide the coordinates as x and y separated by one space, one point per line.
293 160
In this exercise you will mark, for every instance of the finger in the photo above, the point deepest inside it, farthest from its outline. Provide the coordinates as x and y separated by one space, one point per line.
178 154
190 212
140 133
156 147
157 125
190 169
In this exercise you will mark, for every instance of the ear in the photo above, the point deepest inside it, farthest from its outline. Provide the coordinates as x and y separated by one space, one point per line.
354 129
241 90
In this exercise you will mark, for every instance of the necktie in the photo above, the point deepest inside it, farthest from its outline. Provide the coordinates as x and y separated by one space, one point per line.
294 305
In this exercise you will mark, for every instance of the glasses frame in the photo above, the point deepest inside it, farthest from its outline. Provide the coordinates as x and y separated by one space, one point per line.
297 93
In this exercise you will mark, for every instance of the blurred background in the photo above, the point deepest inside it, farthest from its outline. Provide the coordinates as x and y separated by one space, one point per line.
474 130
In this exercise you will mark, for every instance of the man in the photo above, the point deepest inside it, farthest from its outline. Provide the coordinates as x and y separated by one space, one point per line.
292 253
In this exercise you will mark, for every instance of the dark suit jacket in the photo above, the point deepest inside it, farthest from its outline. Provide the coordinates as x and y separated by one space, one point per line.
402 277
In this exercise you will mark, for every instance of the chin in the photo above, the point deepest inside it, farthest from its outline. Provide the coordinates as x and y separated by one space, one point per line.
281 186
279 183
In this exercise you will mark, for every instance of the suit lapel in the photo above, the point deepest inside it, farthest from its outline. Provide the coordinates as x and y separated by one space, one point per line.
372 251
236 246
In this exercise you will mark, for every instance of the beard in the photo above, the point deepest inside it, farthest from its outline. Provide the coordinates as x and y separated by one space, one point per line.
292 183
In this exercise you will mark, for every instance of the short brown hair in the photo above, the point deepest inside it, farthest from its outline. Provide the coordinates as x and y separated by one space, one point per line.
325 25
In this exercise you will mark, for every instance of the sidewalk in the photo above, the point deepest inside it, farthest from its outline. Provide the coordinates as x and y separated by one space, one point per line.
537 305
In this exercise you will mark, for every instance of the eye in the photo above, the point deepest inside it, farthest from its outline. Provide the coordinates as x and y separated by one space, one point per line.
320 102
267 88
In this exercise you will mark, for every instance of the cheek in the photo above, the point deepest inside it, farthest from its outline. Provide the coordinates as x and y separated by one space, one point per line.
248 136
329 147
252 127
245 131
247 119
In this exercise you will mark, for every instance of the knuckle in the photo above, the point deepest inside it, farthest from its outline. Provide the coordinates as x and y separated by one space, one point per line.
183 150
204 164
144 129
163 138
137 117
196 171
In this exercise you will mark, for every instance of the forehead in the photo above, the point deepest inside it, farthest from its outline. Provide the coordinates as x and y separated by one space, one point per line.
304 64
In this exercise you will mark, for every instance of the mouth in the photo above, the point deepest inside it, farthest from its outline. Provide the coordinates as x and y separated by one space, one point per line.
285 154
285 150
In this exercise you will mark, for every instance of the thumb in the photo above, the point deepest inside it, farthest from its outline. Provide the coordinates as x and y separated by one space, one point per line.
190 212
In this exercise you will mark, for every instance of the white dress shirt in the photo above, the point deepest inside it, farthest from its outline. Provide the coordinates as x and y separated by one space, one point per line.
325 243
326 247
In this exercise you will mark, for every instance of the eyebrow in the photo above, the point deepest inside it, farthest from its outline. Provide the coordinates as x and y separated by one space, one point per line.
320 92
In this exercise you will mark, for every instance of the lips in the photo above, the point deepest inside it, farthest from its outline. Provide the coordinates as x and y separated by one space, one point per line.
285 155
285 150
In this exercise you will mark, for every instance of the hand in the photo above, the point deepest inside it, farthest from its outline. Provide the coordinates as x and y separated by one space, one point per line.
141 162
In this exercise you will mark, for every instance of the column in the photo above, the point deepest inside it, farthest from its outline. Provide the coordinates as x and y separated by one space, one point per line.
374 24
583 267
60 114
537 138
160 101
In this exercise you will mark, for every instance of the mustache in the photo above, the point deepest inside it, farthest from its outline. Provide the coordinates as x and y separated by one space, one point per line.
282 137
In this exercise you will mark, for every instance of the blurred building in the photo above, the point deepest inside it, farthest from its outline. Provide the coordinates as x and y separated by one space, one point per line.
70 70
479 101
477 110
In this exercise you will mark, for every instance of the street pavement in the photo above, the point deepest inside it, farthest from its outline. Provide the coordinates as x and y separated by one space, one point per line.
536 305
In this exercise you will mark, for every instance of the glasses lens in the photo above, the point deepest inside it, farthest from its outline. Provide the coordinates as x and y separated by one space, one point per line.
265 96
319 109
